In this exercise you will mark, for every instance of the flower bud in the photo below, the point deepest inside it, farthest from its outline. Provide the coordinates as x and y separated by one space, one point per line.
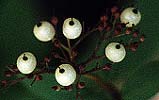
38 77
142 38
114 9
54 20
56 88
80 85
68 88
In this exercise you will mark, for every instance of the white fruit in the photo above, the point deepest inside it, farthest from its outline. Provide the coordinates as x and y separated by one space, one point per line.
26 63
65 74
72 28
115 52
130 16
44 31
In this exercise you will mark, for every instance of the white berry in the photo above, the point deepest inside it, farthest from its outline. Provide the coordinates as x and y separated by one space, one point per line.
65 74
130 16
44 31
26 63
115 52
72 28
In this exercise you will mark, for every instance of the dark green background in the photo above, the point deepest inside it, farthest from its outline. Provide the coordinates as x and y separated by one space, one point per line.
136 77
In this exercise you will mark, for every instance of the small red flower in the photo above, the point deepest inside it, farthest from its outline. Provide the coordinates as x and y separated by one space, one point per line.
118 25
16 69
38 77
4 83
68 88
103 18
56 88
142 38
8 73
128 31
135 34
107 67
114 9
81 85
55 55
100 28
134 46
108 28
47 60
81 68
117 15
57 44
117 31
54 20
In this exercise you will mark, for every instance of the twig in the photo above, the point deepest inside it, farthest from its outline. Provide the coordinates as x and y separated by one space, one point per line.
77 89
83 37
63 53
33 82
109 32
64 47
91 59
61 44
98 44
13 82
94 56
93 70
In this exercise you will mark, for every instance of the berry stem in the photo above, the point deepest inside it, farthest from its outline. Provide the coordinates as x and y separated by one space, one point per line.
63 52
64 47
109 33
70 50
33 82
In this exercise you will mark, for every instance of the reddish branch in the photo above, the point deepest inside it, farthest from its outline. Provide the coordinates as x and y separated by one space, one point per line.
36 75
106 67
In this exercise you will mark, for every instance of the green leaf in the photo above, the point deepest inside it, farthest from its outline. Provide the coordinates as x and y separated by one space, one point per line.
143 83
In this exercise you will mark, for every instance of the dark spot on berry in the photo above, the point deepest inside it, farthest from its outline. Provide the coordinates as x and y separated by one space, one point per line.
71 23
39 24
117 46
135 11
62 71
126 23
25 58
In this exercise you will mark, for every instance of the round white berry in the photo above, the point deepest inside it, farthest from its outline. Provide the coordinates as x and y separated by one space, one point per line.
65 74
26 63
115 52
130 16
44 31
72 28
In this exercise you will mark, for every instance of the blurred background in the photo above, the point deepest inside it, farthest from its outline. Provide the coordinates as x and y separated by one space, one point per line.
88 11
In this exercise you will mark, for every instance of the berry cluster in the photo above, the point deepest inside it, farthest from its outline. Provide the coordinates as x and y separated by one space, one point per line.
68 73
